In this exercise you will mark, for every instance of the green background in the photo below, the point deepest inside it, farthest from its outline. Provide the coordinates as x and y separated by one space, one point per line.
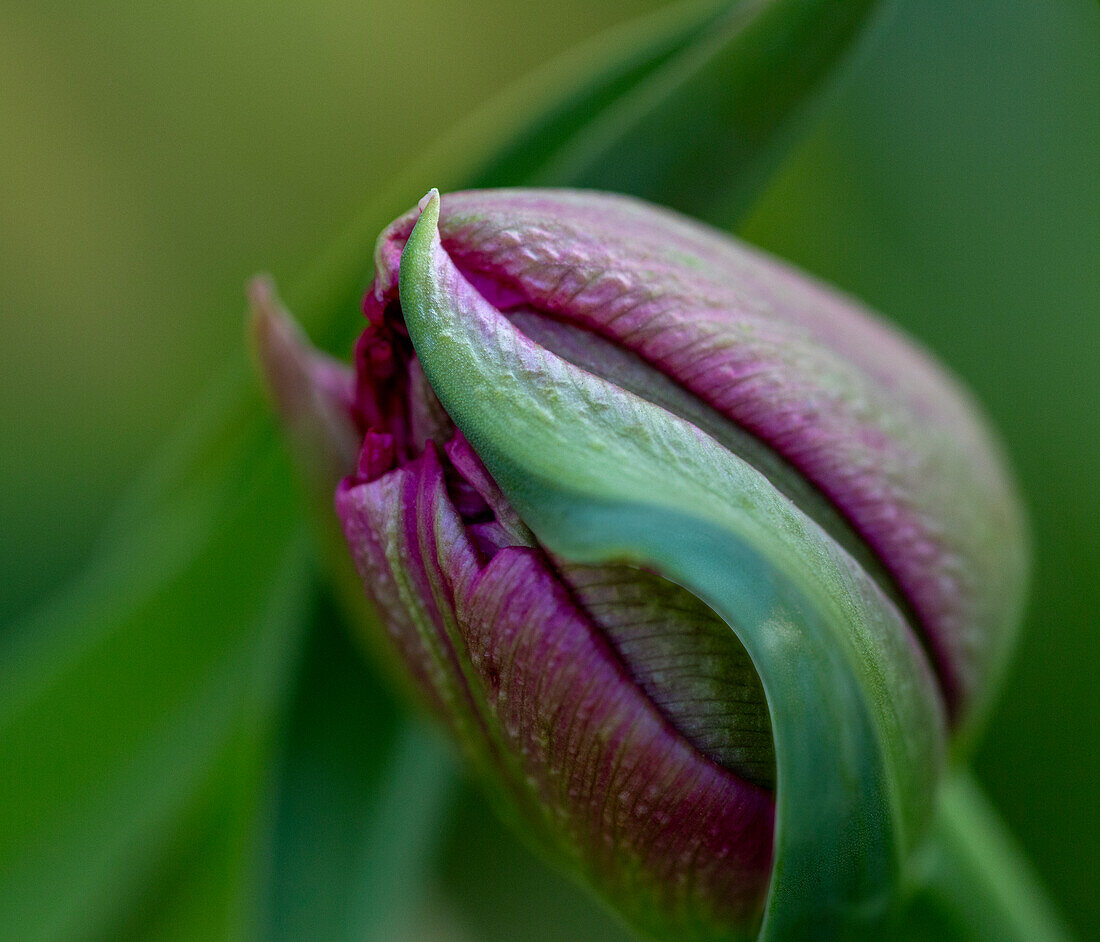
152 156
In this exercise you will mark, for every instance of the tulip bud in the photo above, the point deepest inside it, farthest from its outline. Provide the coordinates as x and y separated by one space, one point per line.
699 560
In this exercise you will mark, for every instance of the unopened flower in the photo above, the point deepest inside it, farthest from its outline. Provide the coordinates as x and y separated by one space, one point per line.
618 475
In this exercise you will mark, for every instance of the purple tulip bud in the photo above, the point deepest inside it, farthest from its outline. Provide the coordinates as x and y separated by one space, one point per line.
616 711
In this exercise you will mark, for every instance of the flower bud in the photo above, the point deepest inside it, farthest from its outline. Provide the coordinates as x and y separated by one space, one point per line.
667 533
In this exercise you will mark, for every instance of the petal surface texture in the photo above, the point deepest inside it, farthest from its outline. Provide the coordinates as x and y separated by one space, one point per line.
700 560
868 419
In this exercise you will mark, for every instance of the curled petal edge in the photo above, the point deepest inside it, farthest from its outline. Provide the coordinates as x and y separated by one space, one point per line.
602 476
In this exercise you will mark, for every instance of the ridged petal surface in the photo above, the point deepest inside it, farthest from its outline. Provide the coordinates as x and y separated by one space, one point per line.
513 660
601 475
868 418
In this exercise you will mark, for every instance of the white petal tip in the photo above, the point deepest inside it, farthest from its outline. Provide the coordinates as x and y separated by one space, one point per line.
426 199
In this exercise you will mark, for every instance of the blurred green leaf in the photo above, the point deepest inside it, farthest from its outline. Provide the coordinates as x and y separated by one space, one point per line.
494 889
977 884
359 793
699 117
120 702
137 705
202 887
692 107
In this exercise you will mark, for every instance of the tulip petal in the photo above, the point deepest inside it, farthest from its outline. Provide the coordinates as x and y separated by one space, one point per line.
602 476
548 712
868 420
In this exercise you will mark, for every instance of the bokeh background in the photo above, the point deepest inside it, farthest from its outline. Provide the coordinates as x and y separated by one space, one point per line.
152 156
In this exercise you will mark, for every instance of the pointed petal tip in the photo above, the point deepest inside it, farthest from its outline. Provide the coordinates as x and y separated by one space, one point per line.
271 326
281 347
428 198
261 294
311 392
429 213
414 275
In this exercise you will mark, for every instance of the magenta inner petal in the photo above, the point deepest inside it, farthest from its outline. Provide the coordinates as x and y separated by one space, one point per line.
535 688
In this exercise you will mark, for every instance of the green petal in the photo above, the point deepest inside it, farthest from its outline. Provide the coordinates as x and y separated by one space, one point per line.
600 476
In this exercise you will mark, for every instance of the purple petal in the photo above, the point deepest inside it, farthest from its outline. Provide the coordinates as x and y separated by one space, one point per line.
862 413
509 656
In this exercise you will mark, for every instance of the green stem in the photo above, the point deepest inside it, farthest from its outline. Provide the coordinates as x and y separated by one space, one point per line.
978 884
